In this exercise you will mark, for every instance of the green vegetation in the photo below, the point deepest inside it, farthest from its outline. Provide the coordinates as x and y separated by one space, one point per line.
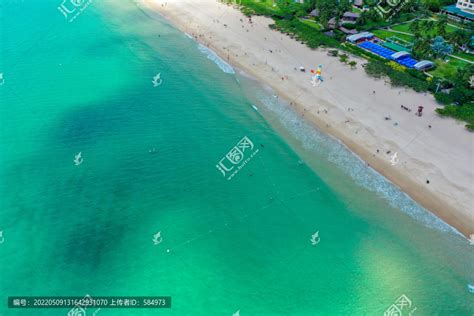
464 113
312 24
305 33
383 34
397 77
405 27
344 58
447 70
466 56
459 99
263 7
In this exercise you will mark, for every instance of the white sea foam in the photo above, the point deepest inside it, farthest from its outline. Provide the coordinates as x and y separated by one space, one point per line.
225 67
323 145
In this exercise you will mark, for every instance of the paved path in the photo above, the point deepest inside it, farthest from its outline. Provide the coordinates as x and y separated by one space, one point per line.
460 58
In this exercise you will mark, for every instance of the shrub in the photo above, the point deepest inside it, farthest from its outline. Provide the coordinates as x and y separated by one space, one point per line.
396 66
343 58
463 112
378 69
305 33
444 98
349 26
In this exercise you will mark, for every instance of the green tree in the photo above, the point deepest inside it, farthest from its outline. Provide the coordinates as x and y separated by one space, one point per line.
326 11
459 37
415 28
286 9
440 47
426 27
353 64
441 24
422 47
433 5
463 76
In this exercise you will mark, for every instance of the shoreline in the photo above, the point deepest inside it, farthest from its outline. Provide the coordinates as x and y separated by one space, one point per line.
351 118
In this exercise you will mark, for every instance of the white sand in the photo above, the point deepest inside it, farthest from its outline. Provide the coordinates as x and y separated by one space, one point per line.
444 154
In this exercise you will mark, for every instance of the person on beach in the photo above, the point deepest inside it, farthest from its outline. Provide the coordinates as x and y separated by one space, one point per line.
420 111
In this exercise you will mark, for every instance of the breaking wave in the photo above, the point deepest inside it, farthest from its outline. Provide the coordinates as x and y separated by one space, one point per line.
329 148
225 67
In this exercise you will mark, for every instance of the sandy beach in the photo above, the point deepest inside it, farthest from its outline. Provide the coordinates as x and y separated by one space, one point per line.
435 154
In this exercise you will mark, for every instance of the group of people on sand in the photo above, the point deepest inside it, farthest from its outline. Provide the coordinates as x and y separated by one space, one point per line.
419 112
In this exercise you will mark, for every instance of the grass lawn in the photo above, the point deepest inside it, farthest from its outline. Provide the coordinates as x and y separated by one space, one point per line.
259 6
447 70
405 27
268 3
312 23
402 27
383 34
455 24
450 28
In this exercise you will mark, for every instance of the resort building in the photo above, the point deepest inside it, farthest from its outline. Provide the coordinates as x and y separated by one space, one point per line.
358 3
424 65
350 17
466 6
462 11
314 13
361 37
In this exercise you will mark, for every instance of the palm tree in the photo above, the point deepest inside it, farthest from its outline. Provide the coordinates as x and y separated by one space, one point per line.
426 26
441 25
459 37
415 28
422 47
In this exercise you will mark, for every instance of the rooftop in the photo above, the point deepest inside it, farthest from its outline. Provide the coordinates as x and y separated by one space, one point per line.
351 15
360 36
453 10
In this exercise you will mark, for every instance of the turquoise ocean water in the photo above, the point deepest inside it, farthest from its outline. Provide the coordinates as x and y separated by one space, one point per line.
149 165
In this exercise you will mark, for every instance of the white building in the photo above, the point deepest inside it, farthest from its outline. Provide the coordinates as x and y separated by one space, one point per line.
466 6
